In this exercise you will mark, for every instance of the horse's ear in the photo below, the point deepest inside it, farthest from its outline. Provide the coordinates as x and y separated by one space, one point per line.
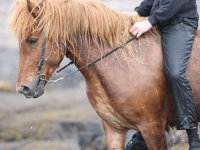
33 9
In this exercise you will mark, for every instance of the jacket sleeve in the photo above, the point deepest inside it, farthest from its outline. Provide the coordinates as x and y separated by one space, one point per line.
144 8
167 10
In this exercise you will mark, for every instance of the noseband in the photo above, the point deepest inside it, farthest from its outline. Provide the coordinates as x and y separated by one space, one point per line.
42 77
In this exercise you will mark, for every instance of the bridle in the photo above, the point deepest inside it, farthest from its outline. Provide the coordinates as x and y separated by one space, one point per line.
42 77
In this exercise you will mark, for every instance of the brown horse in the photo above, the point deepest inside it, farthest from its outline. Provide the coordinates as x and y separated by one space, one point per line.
128 90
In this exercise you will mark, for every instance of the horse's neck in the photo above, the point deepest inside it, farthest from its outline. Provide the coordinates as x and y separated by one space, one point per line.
82 54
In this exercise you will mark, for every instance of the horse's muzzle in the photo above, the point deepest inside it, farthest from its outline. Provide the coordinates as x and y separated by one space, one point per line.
34 89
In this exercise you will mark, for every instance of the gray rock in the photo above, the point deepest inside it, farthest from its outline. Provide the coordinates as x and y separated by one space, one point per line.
87 133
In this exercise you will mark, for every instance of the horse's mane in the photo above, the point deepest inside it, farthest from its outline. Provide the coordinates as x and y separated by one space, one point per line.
65 20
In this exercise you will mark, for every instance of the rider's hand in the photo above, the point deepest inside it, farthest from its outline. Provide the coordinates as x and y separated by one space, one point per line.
140 27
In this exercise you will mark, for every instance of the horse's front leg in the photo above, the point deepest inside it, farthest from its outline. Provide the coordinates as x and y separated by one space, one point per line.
115 137
154 135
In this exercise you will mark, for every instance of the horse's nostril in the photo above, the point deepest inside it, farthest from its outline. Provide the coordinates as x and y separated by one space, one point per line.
24 90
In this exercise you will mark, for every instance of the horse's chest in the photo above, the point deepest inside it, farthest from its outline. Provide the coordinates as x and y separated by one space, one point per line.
103 106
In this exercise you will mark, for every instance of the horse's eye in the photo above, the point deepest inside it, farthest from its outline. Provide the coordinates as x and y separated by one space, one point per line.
32 41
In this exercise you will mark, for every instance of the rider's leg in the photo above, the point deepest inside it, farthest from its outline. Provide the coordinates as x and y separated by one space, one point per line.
177 40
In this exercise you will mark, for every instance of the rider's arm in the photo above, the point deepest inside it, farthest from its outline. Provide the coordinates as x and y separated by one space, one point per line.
144 8
167 10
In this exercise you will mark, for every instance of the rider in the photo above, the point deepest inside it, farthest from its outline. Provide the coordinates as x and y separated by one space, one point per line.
177 21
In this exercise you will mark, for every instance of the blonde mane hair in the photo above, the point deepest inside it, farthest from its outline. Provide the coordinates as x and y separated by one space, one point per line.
67 20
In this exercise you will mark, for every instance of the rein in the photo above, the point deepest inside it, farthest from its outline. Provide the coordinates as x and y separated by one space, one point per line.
42 77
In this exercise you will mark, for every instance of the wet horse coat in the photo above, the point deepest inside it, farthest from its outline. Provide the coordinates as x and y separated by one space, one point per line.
128 90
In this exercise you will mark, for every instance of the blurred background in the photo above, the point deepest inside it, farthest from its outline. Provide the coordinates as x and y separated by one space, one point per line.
62 119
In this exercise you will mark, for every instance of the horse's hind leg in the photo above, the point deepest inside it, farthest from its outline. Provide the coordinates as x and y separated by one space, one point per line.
154 135
115 137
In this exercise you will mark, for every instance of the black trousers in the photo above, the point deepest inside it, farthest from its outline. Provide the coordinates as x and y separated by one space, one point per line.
177 39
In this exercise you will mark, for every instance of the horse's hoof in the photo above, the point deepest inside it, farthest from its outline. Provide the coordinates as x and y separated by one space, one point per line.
136 143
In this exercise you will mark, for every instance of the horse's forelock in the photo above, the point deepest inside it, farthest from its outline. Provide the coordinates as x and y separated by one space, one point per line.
22 21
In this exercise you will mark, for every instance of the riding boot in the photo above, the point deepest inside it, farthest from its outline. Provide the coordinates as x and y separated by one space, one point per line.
193 139
136 143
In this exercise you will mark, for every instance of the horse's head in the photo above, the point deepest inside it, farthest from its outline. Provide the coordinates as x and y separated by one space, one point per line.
42 25
39 57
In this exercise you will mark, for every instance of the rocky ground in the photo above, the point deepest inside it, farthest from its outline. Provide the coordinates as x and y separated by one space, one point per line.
62 119
59 120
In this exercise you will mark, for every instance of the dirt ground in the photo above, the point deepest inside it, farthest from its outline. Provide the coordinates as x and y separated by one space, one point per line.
62 119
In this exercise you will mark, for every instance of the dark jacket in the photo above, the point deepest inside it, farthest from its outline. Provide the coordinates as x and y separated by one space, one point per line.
162 11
